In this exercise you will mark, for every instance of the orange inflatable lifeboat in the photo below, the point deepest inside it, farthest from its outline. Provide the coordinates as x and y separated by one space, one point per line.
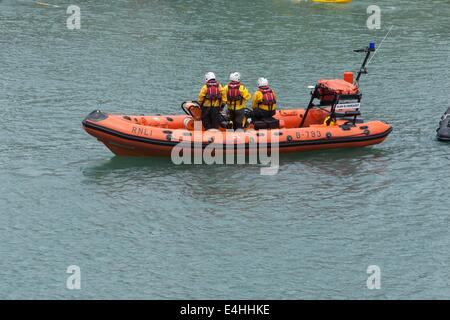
326 125
331 120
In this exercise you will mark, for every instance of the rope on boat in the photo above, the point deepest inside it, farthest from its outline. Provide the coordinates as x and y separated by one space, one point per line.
381 43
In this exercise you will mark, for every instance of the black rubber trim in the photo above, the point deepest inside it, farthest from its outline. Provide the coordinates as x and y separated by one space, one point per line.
96 115
281 144
442 138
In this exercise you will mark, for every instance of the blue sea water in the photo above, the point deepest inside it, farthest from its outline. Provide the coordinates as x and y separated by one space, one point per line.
147 229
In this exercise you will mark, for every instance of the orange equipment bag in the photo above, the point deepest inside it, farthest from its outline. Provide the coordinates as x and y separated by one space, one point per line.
329 89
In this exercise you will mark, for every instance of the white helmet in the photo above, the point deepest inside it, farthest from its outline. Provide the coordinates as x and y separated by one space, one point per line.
209 76
263 82
235 76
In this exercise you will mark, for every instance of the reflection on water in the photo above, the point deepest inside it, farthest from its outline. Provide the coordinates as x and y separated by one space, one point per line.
128 162
348 161
325 174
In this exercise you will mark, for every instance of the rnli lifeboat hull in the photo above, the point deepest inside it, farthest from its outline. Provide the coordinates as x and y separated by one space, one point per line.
158 135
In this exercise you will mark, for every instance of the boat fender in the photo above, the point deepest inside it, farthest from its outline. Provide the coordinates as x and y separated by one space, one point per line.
289 138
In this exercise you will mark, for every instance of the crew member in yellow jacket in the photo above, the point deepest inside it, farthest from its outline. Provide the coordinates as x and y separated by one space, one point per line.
237 96
264 101
211 98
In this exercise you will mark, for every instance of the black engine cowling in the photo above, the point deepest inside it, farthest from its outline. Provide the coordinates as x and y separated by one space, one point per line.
443 132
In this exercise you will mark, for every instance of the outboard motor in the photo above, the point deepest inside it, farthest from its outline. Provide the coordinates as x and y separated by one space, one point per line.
443 132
